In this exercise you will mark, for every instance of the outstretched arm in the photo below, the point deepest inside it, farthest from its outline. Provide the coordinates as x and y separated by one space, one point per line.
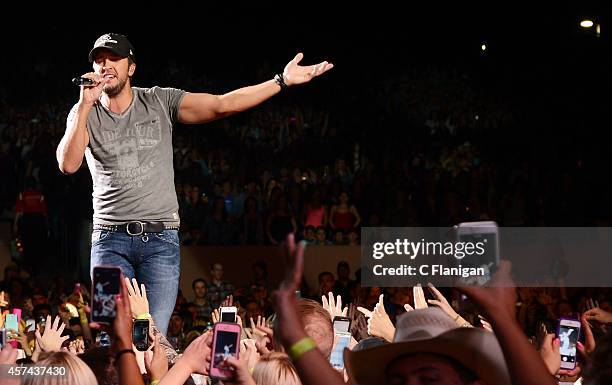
201 107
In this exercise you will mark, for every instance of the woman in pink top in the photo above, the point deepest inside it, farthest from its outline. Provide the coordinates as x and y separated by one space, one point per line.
315 213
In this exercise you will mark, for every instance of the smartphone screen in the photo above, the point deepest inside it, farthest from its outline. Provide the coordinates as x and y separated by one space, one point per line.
228 314
30 325
10 322
336 359
105 287
103 339
225 346
484 238
140 334
342 324
568 337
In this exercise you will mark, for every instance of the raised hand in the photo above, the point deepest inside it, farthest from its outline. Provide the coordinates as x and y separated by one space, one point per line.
498 300
443 304
198 354
228 301
419 297
249 354
297 74
76 347
3 301
91 94
155 361
51 339
550 353
599 315
589 339
122 325
139 304
379 323
255 332
240 370
288 324
8 355
334 308
22 338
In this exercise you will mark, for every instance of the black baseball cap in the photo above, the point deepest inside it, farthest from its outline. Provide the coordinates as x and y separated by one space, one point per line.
114 42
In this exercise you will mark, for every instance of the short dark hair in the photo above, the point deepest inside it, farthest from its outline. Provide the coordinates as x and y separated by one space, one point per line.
324 273
40 307
196 281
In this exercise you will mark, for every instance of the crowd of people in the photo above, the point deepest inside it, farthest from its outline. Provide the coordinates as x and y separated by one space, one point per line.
498 335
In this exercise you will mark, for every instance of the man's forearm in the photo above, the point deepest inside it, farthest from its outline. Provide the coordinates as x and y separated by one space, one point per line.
72 146
247 97
524 363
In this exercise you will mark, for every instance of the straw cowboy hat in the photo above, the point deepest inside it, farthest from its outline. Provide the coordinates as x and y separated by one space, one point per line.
431 331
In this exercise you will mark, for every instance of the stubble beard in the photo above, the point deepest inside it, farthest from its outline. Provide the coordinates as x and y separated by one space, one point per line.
116 89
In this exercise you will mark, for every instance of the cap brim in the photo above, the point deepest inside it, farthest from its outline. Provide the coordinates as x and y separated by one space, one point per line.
92 53
476 349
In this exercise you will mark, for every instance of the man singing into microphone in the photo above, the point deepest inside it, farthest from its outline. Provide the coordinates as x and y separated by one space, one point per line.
125 134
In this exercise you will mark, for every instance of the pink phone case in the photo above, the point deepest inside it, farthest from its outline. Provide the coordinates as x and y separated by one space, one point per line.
18 313
216 372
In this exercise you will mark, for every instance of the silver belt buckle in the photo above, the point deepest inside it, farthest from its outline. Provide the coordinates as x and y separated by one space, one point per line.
127 228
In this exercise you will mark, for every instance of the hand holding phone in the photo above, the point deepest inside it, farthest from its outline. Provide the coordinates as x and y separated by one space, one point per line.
30 325
11 323
568 333
226 342
228 314
105 287
484 251
140 334
342 324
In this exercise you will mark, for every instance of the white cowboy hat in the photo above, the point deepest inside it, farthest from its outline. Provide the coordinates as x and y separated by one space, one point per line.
431 331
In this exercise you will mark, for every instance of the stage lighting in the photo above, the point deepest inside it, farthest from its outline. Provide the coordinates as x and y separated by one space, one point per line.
483 47
586 23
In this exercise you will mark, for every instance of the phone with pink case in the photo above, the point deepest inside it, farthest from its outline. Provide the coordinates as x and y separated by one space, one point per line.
226 343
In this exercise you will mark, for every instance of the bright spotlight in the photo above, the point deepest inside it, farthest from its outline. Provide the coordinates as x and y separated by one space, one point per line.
586 23
483 47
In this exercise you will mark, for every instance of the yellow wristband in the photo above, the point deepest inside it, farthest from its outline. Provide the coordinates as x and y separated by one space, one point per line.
144 316
302 346
154 382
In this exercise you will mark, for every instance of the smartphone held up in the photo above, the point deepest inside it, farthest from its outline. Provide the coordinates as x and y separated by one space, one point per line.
568 332
105 288
140 334
226 343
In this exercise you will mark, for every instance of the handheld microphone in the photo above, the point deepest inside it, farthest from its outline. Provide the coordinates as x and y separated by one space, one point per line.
83 82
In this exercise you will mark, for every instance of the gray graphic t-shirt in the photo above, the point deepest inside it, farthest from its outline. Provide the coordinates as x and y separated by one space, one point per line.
130 158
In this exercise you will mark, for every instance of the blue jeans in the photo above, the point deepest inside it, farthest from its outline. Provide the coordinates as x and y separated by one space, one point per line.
153 259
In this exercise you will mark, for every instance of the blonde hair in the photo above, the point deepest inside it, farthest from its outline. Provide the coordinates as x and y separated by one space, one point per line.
275 369
76 371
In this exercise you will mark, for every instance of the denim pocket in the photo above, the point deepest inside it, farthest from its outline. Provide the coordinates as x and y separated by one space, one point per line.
98 236
169 236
